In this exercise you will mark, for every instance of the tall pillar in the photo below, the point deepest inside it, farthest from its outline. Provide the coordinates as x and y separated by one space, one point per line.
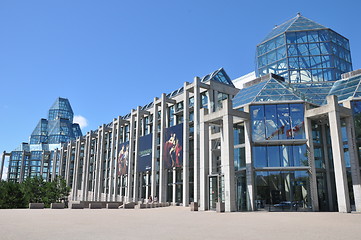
162 170
227 158
249 163
54 163
196 112
153 189
129 191
355 167
328 168
22 167
136 156
42 163
76 170
204 162
86 160
112 159
99 161
2 165
147 185
67 163
311 158
343 199
116 186
174 186
61 161
185 146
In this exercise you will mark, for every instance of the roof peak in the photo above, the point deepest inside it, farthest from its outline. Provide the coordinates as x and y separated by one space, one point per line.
297 23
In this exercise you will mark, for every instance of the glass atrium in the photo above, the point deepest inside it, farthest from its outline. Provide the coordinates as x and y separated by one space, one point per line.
307 54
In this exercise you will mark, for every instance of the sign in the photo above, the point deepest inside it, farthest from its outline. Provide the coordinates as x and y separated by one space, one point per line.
145 153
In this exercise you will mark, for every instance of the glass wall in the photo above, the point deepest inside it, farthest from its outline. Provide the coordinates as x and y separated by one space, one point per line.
283 191
313 56
277 121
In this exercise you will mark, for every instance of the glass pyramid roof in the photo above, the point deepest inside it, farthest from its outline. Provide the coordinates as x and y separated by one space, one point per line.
298 23
219 75
347 88
265 91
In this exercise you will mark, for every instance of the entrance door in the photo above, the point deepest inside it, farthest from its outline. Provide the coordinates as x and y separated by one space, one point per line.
241 192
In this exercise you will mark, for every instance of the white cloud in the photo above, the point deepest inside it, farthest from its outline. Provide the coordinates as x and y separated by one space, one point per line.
5 173
83 122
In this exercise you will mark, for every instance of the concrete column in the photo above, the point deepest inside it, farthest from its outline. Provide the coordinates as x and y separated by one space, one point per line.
153 176
42 163
311 157
204 162
136 157
355 167
76 170
162 170
249 163
61 161
147 186
129 191
67 164
196 109
174 187
86 160
99 165
121 188
328 168
354 161
215 99
116 150
2 164
227 158
113 161
185 146
22 166
123 180
54 164
343 199
211 105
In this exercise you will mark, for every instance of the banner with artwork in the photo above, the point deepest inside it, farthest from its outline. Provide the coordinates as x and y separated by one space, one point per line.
123 158
145 153
173 147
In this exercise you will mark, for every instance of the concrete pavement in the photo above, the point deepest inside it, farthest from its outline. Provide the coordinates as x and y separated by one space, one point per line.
174 223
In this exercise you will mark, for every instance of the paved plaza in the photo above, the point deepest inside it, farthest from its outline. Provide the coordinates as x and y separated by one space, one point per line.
174 223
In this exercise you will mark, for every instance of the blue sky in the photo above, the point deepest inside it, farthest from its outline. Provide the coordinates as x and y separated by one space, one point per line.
108 57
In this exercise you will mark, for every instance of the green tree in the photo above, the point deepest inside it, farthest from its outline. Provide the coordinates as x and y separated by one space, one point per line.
34 189
63 190
11 195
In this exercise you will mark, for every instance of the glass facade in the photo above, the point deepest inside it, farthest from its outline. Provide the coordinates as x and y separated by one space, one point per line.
277 121
281 189
37 158
59 127
305 52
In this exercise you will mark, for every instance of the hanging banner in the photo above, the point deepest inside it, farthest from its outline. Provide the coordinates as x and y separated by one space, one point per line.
173 147
145 153
123 158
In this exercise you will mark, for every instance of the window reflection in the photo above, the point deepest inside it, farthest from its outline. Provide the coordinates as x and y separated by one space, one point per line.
282 121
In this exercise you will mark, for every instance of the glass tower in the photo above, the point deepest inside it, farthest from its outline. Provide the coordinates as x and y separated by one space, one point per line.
308 55
59 127
39 158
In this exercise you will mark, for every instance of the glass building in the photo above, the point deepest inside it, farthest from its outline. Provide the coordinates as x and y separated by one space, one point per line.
289 140
308 55
36 158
